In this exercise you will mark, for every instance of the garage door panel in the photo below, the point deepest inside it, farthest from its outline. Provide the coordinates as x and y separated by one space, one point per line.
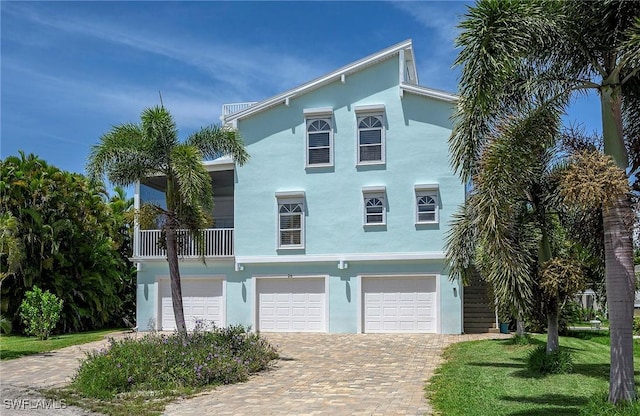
399 304
202 300
299 303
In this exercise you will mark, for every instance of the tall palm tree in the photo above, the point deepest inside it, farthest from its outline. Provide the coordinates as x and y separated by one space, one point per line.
509 228
131 152
513 53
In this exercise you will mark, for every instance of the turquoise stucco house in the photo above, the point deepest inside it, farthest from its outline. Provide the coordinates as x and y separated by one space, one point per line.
337 223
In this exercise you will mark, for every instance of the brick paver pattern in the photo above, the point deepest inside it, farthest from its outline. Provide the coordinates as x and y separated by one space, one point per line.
317 374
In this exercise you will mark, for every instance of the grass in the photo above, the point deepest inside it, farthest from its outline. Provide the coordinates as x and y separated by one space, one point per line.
14 346
140 376
491 377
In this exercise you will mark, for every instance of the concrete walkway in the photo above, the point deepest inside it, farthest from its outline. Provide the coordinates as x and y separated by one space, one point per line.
318 374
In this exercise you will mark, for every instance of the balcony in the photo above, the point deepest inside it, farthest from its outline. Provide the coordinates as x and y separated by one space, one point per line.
228 109
218 242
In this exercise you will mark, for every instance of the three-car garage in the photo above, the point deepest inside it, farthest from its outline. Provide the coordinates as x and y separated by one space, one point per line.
382 303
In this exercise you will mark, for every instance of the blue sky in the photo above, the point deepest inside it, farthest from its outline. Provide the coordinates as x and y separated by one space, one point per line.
71 70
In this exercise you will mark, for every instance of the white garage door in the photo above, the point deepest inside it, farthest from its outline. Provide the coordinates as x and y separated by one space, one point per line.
399 304
291 305
201 300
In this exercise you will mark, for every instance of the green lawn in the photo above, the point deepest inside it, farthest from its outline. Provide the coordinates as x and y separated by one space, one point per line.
490 378
14 346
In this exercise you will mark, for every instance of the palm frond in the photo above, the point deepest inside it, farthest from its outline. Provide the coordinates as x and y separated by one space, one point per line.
193 181
123 155
215 141
159 127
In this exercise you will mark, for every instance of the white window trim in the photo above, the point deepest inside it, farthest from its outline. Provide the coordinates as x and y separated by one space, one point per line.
290 197
369 192
329 120
371 111
431 190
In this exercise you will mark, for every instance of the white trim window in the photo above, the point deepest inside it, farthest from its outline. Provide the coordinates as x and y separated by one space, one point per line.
319 142
374 202
290 222
371 146
426 204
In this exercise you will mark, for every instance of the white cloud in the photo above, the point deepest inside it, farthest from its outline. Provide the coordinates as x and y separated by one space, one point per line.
239 67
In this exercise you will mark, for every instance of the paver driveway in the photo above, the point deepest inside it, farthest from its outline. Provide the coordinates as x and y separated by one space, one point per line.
319 374
334 374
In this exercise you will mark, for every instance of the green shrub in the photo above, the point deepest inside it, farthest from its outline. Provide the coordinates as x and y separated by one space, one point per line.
557 362
524 339
636 325
166 362
40 312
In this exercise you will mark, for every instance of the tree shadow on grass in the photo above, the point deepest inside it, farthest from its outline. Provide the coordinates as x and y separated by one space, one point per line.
557 404
10 355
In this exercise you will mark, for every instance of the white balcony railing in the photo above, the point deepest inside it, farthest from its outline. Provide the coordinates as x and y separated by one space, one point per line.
218 242
235 107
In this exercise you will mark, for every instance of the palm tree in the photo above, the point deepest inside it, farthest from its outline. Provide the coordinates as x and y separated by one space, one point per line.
510 226
131 152
514 54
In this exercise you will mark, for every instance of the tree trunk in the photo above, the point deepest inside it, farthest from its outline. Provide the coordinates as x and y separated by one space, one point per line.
174 273
552 326
618 248
620 283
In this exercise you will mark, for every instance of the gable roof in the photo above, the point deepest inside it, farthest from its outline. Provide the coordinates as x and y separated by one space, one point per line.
405 49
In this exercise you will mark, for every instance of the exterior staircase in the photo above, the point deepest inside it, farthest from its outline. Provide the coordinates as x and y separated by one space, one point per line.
479 311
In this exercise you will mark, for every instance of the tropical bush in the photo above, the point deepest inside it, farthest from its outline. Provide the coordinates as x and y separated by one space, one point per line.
40 312
555 362
165 362
71 240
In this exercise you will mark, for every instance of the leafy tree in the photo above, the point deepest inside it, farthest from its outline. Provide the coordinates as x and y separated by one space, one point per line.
65 231
40 312
121 208
515 54
131 152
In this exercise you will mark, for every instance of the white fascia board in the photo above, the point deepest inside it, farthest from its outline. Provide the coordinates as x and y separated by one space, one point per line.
320 258
221 163
325 79
428 92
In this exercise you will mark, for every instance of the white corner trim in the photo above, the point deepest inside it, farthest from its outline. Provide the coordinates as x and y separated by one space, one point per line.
315 112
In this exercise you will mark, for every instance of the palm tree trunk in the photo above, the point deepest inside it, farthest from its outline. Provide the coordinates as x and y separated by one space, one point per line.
174 274
618 249
620 283
552 326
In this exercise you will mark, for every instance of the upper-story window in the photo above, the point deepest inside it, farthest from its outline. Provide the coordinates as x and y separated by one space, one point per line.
426 204
370 139
319 142
318 137
375 211
290 220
